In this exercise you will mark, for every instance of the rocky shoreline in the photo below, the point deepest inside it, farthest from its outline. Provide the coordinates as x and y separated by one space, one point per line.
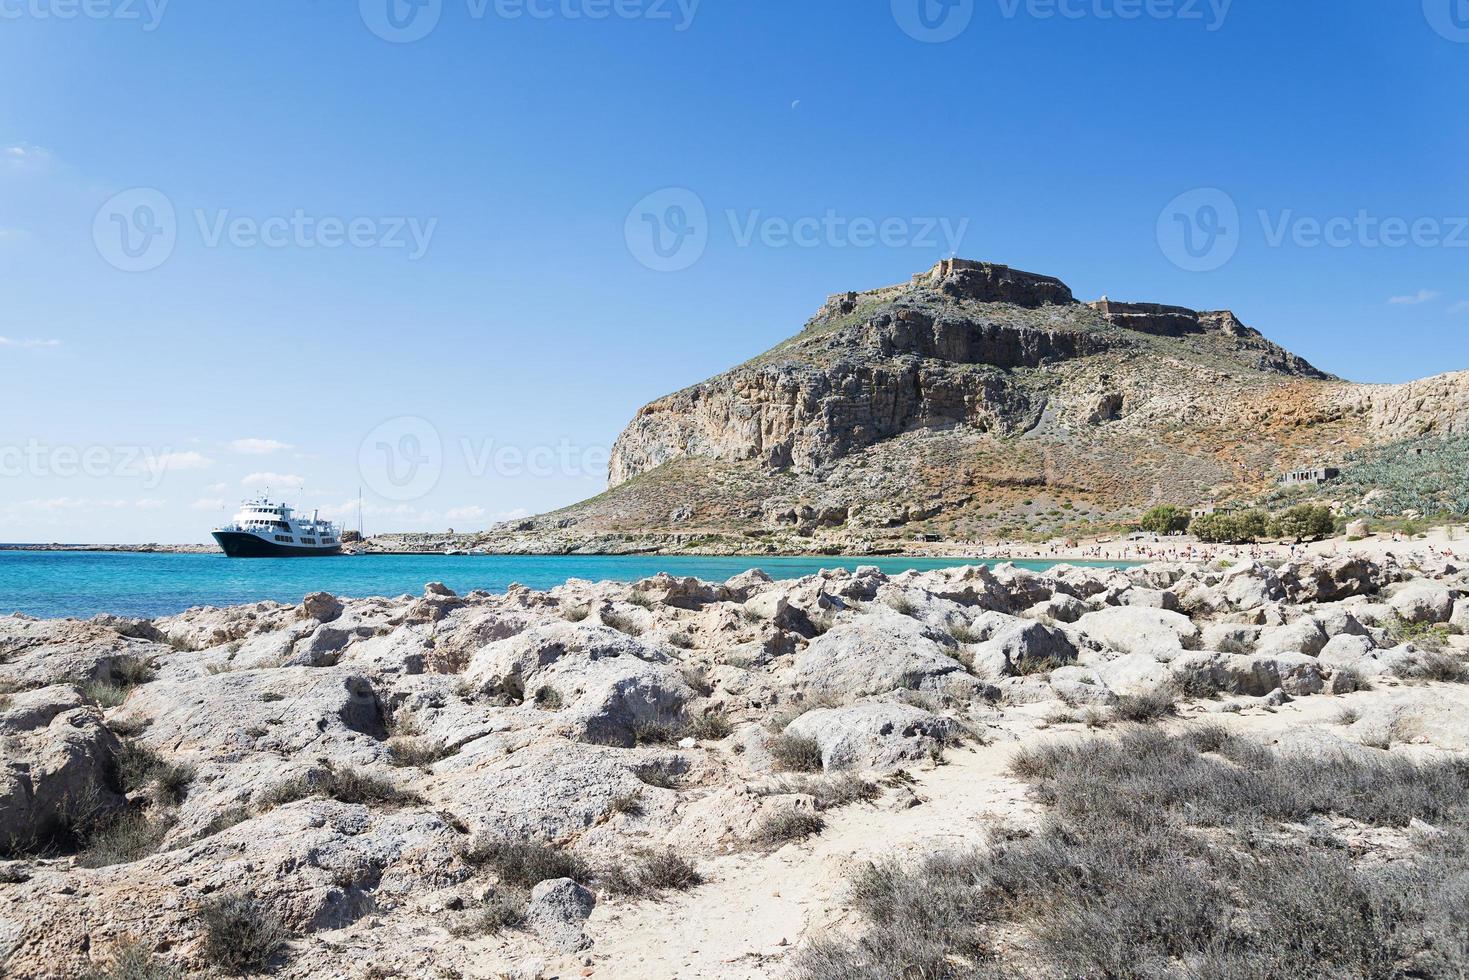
671 778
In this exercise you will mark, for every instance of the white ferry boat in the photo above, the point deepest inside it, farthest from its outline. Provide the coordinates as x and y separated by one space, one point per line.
271 530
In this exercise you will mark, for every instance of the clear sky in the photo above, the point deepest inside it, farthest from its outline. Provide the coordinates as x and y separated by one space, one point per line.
444 251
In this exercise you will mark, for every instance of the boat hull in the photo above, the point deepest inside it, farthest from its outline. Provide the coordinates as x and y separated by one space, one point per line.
237 544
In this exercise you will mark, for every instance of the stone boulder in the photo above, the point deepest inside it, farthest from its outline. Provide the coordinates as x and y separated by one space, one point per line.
1019 642
1131 629
876 654
56 768
558 912
1332 580
1423 601
548 790
874 735
320 606
1305 635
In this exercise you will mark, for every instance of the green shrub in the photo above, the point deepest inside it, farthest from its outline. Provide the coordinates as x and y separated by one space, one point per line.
1165 519
1243 527
1305 522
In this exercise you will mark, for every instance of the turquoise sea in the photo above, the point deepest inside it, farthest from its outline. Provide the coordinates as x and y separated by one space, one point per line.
84 583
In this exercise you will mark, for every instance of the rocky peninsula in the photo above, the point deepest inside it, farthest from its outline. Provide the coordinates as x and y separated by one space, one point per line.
1244 769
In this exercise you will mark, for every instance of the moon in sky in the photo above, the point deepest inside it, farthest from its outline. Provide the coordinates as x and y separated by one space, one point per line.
796 104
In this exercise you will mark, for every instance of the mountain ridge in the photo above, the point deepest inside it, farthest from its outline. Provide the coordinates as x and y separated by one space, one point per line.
977 400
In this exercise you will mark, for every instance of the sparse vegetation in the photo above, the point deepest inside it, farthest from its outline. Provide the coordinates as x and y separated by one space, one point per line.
131 960
241 935
523 864
1036 666
786 826
628 804
829 792
575 614
658 731
698 679
124 675
124 838
1159 854
1432 665
1144 709
656 776
1428 636
963 633
138 766
710 726
500 912
343 785
622 623
418 753
796 753
548 698
641 600
225 819
903 605
650 874
105 694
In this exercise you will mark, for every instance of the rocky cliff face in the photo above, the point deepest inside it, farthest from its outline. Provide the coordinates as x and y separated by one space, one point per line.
974 400
970 344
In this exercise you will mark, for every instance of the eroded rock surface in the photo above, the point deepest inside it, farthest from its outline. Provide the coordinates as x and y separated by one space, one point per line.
343 761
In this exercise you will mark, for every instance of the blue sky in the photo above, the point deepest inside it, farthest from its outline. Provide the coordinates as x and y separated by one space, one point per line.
348 251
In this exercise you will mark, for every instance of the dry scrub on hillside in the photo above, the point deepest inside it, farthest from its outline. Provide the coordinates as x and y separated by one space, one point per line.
1204 856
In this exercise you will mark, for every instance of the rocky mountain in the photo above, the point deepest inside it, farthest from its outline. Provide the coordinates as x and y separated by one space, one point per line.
978 400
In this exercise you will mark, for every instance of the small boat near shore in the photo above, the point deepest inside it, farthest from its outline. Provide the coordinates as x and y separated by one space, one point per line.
265 529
